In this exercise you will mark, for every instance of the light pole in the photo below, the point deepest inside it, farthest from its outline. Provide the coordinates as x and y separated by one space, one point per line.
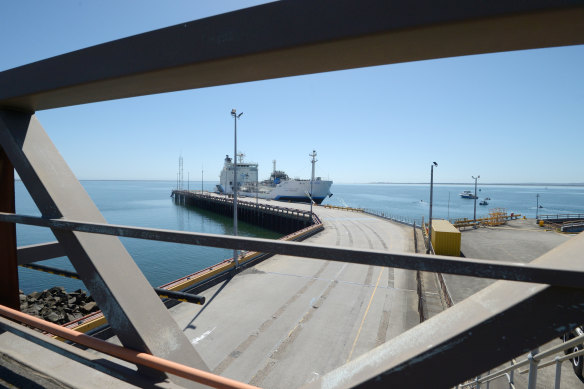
537 207
235 117
431 195
313 155
475 198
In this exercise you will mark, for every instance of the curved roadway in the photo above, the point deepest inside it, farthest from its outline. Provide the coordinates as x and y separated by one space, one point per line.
289 320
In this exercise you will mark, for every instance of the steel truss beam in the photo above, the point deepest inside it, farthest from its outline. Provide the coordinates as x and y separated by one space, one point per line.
289 38
39 252
498 323
124 295
553 275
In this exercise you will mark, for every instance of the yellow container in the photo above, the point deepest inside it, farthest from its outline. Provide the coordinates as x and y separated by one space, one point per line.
445 238
541 223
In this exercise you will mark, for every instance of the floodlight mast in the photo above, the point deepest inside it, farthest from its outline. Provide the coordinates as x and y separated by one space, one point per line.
234 186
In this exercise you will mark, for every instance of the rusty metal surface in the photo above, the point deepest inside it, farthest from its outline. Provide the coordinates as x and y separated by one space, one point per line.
8 253
289 38
497 324
107 270
553 275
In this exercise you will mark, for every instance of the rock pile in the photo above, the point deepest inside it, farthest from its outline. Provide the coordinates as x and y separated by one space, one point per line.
56 305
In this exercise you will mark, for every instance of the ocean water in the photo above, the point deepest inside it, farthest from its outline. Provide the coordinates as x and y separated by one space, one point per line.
413 200
141 204
148 204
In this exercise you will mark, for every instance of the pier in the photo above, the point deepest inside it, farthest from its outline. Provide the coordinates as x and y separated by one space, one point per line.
336 312
278 218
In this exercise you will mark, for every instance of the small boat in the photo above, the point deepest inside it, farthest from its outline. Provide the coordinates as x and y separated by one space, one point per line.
484 202
487 198
467 194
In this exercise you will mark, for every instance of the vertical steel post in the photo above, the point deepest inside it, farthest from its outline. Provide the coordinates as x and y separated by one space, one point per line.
532 378
475 199
9 295
537 206
313 155
558 373
431 197
235 117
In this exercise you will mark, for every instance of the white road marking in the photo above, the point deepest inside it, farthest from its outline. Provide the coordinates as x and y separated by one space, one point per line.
203 336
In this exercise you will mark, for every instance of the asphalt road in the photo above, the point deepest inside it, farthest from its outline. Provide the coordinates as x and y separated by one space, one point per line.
289 320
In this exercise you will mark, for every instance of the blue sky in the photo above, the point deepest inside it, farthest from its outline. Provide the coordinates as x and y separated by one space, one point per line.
509 117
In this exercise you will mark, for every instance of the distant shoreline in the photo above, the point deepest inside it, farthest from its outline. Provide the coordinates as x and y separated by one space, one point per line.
374 183
481 184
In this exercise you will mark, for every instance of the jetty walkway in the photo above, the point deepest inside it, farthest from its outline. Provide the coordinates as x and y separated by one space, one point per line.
289 320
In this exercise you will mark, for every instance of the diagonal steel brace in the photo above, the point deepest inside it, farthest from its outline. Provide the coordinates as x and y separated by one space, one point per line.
129 303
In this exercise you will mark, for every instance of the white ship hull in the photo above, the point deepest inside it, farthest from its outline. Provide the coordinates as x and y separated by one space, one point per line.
294 190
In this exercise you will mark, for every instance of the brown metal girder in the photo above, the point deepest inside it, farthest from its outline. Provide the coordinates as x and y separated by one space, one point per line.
9 293
485 330
286 39
39 252
124 295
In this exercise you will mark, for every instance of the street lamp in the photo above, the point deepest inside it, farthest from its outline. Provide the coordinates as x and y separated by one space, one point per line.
431 195
313 155
475 198
537 207
235 117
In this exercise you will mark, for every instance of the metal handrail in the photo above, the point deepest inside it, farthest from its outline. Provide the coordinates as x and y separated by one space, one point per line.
561 216
127 354
537 357
432 263
557 359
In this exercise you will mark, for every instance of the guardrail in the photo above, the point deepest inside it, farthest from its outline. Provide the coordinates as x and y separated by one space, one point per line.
410 221
533 360
561 216
342 208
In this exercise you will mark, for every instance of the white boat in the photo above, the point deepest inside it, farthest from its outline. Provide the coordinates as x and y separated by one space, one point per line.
278 187
467 194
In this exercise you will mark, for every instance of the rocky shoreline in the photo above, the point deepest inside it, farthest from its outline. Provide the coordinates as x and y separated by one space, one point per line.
58 306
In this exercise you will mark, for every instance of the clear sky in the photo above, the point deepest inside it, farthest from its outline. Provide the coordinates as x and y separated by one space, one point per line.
508 117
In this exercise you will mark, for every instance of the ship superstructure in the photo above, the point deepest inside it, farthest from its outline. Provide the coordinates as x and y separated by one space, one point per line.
278 187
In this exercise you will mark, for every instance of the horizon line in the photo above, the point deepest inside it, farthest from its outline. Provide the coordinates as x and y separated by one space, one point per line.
367 183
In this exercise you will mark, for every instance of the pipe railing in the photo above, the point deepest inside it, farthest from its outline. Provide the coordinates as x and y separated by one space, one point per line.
126 354
534 359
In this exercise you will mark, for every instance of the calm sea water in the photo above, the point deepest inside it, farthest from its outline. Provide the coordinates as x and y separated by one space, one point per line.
142 204
148 204
412 200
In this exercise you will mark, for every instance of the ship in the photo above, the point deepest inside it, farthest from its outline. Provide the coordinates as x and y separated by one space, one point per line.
467 194
279 186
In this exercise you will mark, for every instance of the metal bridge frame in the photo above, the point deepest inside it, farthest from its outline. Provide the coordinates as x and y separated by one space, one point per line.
274 40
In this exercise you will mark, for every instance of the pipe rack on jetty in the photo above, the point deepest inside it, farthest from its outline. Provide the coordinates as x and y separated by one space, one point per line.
276 218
